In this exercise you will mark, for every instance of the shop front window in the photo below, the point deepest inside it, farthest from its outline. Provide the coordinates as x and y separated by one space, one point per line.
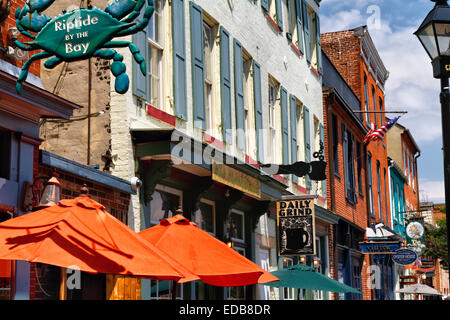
288 293
204 217
162 290
237 293
237 226
164 204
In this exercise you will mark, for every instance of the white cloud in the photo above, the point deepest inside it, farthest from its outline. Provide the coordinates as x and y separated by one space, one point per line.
433 191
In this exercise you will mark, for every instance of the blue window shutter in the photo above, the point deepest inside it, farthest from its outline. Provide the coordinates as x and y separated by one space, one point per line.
293 114
322 138
239 94
299 13
265 4
225 84
140 81
279 14
319 46
258 110
307 135
198 66
179 59
306 31
285 125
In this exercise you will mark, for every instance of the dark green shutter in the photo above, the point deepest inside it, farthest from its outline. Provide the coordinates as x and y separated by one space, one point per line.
299 13
285 125
346 160
239 94
140 81
293 111
198 66
319 46
279 14
265 4
179 59
306 31
307 135
322 139
258 110
225 84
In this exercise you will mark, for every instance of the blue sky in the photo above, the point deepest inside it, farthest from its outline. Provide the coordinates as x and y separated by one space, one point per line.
411 86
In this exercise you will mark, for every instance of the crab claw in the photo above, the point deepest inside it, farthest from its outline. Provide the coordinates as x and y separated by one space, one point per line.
39 5
35 23
120 9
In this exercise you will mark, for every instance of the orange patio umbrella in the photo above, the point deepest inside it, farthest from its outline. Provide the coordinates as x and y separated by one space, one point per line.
203 255
79 233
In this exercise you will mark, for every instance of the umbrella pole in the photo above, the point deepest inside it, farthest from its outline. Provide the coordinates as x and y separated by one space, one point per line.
62 287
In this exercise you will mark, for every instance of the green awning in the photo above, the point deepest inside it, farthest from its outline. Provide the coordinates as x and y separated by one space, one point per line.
305 277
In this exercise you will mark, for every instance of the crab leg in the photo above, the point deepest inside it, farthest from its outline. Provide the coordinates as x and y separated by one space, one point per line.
137 10
134 50
21 46
52 62
23 75
118 68
141 25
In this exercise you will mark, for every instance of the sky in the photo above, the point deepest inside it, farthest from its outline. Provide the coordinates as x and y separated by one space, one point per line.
411 86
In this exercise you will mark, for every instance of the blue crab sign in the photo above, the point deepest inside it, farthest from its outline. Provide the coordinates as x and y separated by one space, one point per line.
82 34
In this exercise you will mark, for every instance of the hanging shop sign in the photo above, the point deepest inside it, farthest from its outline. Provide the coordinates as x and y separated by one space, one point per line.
296 226
415 235
82 34
236 179
377 247
404 257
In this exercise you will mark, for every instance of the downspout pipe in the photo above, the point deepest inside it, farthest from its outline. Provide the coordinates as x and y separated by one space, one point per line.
416 156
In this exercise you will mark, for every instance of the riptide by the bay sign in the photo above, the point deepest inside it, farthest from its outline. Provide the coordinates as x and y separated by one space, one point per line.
296 226
81 34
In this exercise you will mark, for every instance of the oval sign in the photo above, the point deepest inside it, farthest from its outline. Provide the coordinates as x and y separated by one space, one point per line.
404 257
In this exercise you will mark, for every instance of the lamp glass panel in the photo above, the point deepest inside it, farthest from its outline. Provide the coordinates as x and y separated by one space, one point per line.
443 36
426 36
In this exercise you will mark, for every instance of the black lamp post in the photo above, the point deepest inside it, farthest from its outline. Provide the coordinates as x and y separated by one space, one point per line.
434 34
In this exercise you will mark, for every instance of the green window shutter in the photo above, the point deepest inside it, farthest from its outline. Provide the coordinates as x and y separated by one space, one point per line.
307 136
179 59
322 138
285 125
279 14
293 112
265 4
198 66
299 13
225 84
140 81
239 94
306 31
346 164
319 46
258 110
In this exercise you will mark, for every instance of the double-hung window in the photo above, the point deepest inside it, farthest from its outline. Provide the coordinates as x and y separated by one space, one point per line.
366 100
273 94
155 55
374 106
208 41
380 208
370 182
349 166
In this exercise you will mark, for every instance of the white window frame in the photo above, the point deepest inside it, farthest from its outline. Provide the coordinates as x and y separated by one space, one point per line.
160 187
196 219
238 240
157 46
273 92
179 289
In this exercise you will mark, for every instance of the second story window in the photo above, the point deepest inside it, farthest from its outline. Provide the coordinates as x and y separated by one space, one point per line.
155 55
5 151
208 48
273 95
366 100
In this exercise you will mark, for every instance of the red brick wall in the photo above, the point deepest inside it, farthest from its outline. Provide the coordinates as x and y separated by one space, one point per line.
11 22
337 202
344 50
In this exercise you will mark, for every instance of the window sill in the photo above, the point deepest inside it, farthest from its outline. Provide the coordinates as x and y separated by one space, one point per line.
314 70
273 23
296 49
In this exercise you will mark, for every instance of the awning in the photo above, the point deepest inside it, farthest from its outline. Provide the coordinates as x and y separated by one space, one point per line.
420 289
305 277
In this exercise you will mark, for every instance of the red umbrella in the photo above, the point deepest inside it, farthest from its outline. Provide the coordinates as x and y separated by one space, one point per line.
203 255
80 233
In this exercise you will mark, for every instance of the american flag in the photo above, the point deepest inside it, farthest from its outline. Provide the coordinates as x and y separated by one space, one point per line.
379 133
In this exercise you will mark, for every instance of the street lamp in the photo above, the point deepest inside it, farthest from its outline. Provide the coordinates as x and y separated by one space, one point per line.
434 34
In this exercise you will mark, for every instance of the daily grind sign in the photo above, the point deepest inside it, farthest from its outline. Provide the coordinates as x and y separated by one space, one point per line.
82 34
296 226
